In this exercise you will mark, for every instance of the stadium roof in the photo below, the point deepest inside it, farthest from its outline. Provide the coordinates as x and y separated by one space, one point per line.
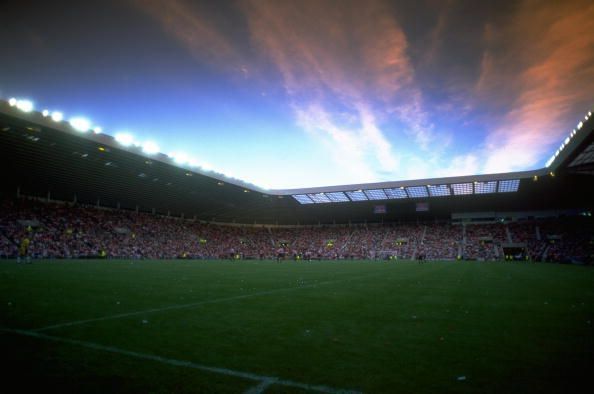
43 155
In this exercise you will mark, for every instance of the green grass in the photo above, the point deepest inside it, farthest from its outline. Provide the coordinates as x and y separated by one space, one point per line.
376 327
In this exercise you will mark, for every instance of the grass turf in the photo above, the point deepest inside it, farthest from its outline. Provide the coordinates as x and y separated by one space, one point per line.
368 326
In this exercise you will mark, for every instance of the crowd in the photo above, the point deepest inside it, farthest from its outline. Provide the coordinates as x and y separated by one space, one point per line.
567 242
442 241
60 230
484 241
528 233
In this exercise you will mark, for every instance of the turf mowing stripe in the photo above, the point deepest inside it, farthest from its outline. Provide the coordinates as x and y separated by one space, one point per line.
265 381
199 303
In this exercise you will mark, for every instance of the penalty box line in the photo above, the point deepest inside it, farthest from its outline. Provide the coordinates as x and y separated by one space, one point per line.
263 381
199 303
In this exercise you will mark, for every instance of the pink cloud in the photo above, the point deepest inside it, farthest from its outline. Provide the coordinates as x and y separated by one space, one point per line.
347 73
344 69
542 63
354 56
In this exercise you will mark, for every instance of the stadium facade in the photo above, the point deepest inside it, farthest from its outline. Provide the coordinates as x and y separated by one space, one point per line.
46 157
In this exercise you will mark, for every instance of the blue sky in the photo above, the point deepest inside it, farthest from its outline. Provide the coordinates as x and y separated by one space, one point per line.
289 94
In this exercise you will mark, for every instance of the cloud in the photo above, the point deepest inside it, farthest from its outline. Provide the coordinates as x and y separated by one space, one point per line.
435 41
348 77
343 145
541 62
344 60
197 32
345 70
465 164
360 151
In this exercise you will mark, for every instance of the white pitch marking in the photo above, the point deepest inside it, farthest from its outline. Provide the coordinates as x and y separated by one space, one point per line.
260 387
265 381
195 304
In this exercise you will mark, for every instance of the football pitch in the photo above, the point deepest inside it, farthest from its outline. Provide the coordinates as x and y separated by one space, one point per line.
296 327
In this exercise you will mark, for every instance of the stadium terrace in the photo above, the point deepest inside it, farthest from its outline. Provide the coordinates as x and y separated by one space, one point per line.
115 179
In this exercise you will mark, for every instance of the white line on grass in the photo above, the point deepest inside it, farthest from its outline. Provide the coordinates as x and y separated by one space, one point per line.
199 303
260 387
264 381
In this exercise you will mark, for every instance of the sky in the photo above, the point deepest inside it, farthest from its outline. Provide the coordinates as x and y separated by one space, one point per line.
289 94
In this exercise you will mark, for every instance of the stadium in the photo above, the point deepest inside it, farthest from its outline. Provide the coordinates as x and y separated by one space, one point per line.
540 215
126 269
82 195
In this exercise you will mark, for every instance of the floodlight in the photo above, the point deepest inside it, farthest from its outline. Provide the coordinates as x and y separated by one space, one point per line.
80 124
12 101
124 139
566 140
24 105
150 147
550 161
579 126
45 113
97 130
57 116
